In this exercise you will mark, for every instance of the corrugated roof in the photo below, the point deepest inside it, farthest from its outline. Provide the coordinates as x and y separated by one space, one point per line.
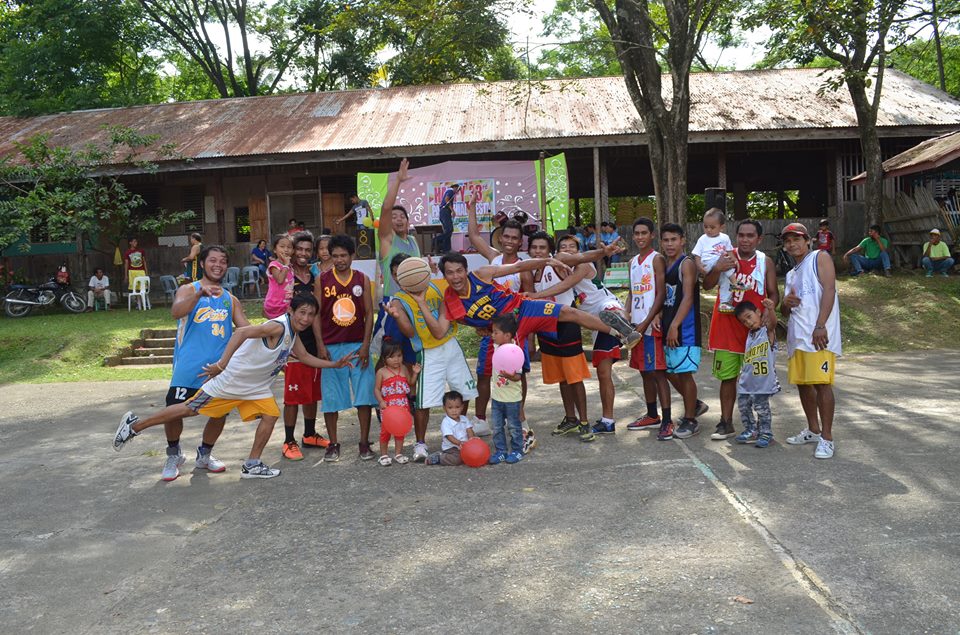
392 119
925 156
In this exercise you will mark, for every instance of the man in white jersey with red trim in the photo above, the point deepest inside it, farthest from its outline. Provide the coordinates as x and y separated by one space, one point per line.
756 280
813 336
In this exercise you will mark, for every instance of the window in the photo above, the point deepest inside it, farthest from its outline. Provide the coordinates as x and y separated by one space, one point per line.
191 199
241 220
306 209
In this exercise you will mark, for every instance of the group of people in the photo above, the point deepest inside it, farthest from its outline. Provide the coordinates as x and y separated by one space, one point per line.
340 349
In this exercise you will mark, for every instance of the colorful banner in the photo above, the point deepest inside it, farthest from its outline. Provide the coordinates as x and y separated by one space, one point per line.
486 188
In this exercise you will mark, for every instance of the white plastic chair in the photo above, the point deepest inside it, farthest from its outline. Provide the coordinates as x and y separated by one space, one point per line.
251 276
141 291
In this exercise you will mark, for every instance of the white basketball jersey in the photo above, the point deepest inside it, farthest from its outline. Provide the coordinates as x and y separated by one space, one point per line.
549 278
594 297
643 289
253 367
511 281
802 280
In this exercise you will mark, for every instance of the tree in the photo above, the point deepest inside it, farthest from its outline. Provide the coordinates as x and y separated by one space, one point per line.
637 34
585 49
936 65
64 192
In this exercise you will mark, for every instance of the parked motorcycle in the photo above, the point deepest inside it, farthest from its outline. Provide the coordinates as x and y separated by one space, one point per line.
24 297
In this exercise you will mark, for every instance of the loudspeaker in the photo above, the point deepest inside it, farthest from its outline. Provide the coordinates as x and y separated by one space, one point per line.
716 197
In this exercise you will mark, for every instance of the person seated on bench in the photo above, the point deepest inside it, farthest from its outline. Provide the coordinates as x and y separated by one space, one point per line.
98 294
936 255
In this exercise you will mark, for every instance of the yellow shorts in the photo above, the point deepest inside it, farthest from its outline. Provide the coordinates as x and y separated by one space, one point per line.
805 367
570 370
249 409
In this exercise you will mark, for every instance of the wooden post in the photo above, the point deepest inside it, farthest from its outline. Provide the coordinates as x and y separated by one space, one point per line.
544 210
722 170
576 212
597 213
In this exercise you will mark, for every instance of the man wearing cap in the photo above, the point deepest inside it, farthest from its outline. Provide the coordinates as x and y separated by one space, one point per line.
812 309
756 280
824 238
871 253
936 255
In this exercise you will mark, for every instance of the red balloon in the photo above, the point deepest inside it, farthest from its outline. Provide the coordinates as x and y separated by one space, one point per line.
475 452
396 420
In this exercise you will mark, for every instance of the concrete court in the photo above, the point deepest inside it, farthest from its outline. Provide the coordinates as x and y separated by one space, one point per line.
625 535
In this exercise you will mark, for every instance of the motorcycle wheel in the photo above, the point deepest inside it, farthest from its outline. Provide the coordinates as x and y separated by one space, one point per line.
16 310
73 302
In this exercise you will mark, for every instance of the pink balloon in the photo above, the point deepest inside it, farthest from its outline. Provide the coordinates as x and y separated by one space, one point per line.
508 357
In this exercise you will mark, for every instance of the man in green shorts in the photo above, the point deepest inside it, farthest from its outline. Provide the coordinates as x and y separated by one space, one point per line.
756 279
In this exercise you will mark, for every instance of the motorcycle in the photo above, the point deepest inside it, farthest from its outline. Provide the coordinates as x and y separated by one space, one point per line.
24 297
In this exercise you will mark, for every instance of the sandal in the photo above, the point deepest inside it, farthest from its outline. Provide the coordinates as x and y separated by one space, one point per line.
402 459
385 460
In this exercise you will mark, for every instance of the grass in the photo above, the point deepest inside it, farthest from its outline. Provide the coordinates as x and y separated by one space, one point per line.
877 315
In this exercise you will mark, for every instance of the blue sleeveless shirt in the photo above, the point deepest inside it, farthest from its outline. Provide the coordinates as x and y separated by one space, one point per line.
202 335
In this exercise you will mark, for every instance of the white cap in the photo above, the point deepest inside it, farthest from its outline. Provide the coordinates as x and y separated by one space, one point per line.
935 231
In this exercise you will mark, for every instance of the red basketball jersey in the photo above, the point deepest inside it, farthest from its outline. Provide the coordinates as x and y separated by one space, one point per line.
342 312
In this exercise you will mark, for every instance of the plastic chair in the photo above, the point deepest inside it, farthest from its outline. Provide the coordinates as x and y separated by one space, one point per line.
251 276
169 284
231 280
141 291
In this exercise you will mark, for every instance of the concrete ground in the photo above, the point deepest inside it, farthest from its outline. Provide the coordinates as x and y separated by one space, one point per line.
623 535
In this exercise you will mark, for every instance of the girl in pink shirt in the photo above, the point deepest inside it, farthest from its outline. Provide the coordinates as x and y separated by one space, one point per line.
280 278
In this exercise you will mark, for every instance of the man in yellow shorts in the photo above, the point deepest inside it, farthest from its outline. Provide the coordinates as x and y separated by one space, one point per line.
813 336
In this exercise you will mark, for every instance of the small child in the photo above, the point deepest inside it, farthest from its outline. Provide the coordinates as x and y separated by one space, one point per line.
455 429
710 246
280 278
505 396
824 238
758 375
393 386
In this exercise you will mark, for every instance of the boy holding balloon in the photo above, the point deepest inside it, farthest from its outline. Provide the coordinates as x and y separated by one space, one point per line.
506 391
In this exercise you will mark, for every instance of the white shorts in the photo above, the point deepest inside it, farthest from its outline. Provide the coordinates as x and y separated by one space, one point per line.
443 365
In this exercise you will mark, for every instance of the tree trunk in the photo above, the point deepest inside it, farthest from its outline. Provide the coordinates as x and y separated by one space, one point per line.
870 146
935 22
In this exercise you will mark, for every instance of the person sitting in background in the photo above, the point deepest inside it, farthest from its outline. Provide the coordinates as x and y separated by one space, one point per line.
260 256
589 238
936 255
99 290
870 254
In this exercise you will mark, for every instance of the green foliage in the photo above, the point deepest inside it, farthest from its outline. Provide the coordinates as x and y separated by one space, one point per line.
918 58
586 49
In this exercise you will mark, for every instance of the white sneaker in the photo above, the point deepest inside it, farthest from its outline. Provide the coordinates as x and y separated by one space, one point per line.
480 427
260 470
209 462
171 469
824 450
124 433
804 437
420 452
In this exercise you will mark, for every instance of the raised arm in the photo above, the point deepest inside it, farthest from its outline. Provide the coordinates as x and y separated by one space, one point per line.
588 256
385 231
489 272
473 230
579 273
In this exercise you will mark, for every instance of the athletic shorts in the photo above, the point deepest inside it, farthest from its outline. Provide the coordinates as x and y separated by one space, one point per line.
648 356
301 384
805 368
536 316
682 359
347 387
485 357
249 409
180 394
442 366
726 365
605 346
570 370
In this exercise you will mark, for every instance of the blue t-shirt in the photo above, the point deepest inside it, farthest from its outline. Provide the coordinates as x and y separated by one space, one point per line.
262 254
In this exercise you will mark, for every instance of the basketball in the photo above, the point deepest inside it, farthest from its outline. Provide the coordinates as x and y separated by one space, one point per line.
475 452
413 275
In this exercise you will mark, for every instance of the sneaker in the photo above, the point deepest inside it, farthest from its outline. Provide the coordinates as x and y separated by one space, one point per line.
666 431
628 335
566 426
260 470
333 453
584 434
315 441
824 449
365 452
514 457
497 458
292 451
887 274
432 459
687 429
631 339
747 436
171 469
804 437
644 422
945 274
529 441
701 410
724 431
725 307
481 428
420 452
600 427
124 432
764 440
209 462
929 274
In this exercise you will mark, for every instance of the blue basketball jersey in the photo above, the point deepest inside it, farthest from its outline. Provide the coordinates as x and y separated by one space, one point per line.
485 301
202 335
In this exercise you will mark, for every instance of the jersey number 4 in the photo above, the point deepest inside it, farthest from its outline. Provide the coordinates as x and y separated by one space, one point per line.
825 367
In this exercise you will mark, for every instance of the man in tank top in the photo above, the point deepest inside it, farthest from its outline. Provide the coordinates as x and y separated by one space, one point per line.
394 231
813 336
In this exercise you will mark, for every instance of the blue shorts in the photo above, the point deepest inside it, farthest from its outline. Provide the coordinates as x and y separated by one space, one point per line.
485 357
682 359
337 383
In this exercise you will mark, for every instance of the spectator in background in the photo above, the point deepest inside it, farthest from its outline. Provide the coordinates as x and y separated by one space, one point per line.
193 270
359 210
608 236
936 255
870 254
293 226
824 238
260 256
134 263
442 242
577 232
589 238
99 289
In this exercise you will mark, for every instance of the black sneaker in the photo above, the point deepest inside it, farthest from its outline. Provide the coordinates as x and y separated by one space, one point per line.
701 409
687 429
365 452
566 426
333 453
724 431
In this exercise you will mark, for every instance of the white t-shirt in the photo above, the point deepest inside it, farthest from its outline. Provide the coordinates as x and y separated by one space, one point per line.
456 429
710 248
99 283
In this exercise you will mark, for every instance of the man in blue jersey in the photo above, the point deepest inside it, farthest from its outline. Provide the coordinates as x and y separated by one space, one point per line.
206 315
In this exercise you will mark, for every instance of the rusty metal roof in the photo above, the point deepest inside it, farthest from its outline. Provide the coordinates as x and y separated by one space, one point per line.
925 156
768 104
